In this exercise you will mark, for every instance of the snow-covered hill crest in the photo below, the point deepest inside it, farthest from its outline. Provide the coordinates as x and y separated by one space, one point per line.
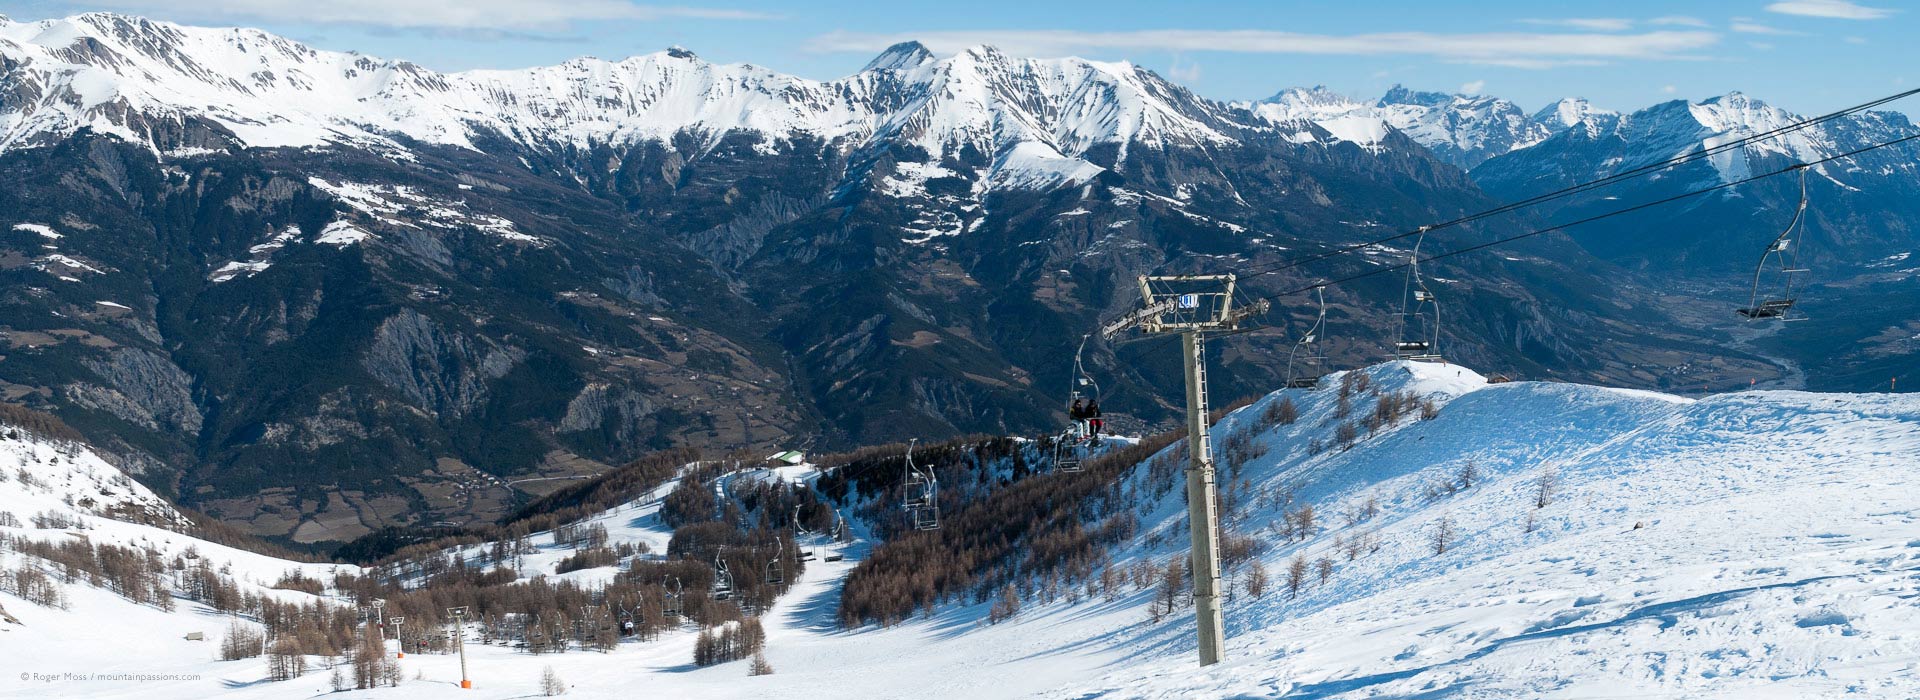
1733 546
49 481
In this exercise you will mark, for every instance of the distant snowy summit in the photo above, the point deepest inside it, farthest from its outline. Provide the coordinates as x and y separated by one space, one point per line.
1469 130
1462 129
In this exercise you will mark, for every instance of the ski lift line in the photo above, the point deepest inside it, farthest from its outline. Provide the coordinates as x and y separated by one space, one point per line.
1587 186
1598 217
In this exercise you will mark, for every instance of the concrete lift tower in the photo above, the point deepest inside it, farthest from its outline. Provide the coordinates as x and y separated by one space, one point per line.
1193 306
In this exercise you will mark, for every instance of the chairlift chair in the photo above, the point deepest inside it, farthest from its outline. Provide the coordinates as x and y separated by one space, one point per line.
1066 451
927 518
799 526
776 574
1781 255
922 494
1308 342
1771 308
1420 339
722 579
671 606
1070 448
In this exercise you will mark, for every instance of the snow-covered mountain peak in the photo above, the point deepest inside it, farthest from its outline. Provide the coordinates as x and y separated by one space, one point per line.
1738 112
1402 95
1306 103
1569 111
905 55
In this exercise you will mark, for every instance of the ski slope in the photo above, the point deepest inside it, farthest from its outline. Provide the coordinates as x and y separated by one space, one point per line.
1750 545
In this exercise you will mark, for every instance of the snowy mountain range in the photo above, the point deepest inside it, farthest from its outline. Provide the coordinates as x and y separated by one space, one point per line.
1468 130
150 82
1462 129
1040 123
178 88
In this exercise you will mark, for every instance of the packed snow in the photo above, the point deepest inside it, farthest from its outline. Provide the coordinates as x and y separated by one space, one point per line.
1758 544
44 230
342 233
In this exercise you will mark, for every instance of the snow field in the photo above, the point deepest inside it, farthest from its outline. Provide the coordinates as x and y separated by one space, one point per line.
1753 545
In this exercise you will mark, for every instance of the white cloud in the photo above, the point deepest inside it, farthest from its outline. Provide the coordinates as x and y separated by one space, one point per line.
1761 45
1515 49
1679 21
430 14
1836 9
1747 26
1473 88
1669 89
1855 40
1598 24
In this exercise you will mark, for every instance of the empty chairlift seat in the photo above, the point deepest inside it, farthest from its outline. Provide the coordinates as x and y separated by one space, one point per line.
1771 308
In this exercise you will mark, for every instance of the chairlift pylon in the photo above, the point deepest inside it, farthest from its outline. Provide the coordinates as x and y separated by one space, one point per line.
1781 254
1420 339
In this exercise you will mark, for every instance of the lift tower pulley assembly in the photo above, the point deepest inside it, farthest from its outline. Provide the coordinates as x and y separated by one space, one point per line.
1193 306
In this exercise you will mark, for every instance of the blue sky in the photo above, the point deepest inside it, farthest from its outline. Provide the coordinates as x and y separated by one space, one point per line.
1805 55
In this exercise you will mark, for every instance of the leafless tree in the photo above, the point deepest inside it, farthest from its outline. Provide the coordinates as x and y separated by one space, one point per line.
1296 575
1442 536
1256 580
550 683
1545 487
